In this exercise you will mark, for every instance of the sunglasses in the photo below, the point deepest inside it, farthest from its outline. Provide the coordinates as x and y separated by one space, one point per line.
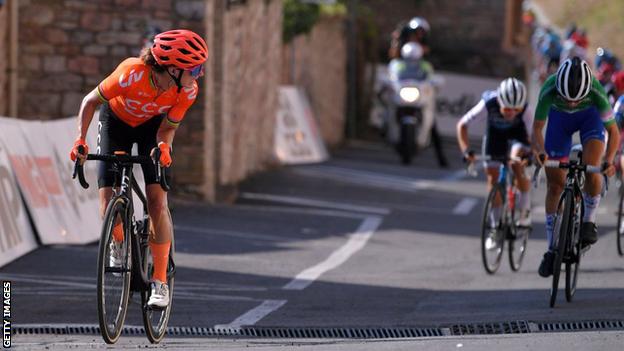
511 109
197 71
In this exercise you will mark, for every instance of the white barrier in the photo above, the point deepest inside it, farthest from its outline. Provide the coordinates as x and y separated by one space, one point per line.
297 139
62 213
16 235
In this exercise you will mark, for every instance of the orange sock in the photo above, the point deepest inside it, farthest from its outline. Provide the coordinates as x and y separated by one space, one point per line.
118 233
160 254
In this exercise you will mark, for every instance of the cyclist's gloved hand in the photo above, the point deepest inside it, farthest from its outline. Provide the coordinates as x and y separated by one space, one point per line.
73 154
165 154
608 168
468 157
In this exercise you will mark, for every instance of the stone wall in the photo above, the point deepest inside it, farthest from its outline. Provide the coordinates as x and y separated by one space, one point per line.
466 36
252 43
317 62
4 58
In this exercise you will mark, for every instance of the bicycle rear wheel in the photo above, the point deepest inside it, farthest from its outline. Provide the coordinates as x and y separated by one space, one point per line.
572 269
561 227
155 320
619 232
492 233
113 285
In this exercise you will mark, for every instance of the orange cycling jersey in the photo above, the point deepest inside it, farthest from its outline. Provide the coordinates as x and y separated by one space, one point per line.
133 97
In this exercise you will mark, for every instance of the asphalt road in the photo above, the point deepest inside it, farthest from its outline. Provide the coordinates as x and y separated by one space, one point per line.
358 241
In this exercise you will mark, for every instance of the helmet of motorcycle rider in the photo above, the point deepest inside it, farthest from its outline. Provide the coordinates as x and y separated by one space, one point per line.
574 79
512 93
418 23
411 51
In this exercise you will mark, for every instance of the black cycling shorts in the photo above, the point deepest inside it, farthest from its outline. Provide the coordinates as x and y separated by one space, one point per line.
498 142
116 135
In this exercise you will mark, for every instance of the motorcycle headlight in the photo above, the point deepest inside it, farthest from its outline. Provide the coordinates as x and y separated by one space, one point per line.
409 94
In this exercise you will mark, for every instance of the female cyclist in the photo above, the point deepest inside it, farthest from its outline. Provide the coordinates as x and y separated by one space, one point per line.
143 101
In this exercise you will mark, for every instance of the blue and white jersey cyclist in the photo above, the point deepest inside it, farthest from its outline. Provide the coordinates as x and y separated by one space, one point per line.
573 100
508 120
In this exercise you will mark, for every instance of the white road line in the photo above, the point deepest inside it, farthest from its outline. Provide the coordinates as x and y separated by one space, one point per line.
312 202
355 243
47 281
252 316
465 206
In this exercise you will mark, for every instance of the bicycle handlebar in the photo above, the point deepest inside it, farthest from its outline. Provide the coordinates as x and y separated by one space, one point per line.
470 167
121 159
568 165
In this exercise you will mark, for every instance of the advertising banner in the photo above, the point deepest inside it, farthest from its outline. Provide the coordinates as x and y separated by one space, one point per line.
16 235
297 139
458 94
62 212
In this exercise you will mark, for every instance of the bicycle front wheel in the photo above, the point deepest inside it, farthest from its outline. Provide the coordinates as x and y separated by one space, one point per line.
155 320
492 233
114 266
561 228
572 269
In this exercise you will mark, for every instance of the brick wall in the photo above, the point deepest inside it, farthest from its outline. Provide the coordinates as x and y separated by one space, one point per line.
317 62
4 58
466 35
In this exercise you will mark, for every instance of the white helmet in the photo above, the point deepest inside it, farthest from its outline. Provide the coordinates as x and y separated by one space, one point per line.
574 79
512 93
418 22
411 51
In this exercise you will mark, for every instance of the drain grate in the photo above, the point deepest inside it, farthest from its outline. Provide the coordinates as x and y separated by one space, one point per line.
511 327
514 327
581 325
256 332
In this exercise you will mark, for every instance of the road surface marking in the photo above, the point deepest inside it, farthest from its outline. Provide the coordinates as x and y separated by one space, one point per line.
355 243
465 206
252 316
317 203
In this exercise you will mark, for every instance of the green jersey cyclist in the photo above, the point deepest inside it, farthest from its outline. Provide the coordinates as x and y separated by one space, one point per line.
573 100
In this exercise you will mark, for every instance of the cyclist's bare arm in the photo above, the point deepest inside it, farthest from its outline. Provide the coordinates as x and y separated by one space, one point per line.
613 143
87 109
462 136
166 132
538 137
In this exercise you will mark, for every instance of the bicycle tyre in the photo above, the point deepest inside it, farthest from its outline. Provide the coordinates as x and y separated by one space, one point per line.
620 225
111 329
572 267
564 211
517 240
491 264
155 320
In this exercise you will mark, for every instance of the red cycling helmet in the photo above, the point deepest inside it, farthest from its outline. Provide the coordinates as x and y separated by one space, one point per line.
618 80
180 48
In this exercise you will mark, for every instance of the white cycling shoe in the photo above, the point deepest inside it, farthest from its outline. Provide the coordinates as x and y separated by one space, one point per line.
115 258
525 219
159 297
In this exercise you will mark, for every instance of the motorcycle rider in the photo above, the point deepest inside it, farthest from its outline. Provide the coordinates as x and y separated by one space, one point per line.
508 119
415 30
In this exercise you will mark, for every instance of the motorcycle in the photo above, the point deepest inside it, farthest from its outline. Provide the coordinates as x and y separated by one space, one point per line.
408 97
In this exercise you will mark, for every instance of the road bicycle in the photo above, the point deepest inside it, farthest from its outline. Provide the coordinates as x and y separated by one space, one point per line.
568 221
115 285
619 232
499 219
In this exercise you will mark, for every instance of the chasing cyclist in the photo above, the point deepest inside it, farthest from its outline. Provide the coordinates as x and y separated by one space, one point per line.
143 101
508 120
573 100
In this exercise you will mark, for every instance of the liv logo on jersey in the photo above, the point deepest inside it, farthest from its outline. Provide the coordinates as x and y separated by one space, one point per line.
132 77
